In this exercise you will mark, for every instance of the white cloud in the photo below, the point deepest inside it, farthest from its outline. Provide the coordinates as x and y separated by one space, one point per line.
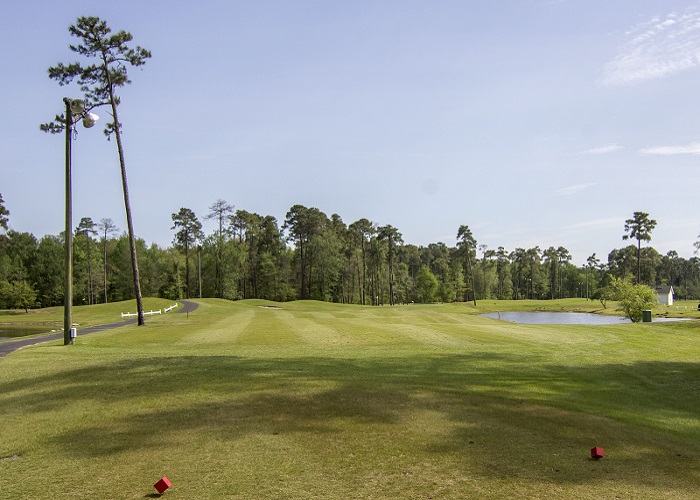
656 49
567 191
692 149
603 149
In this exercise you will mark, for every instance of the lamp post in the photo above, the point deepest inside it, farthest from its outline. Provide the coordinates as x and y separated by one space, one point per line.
74 107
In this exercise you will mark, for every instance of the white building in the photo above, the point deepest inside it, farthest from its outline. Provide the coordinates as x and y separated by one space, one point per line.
665 294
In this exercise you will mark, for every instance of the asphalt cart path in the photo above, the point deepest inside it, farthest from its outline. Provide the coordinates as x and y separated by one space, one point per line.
188 306
10 346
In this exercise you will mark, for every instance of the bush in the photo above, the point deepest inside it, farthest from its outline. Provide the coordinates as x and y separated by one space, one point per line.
633 299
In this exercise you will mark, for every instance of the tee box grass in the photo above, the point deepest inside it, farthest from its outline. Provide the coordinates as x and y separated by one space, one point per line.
255 399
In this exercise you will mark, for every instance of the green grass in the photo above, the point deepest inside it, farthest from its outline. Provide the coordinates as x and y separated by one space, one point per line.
310 400
83 316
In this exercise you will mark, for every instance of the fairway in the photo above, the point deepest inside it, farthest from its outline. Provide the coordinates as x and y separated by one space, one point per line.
255 399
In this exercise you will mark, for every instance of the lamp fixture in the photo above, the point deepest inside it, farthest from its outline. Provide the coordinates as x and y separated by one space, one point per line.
77 106
89 119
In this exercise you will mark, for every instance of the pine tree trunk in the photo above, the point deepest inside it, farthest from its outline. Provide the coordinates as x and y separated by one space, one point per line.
129 223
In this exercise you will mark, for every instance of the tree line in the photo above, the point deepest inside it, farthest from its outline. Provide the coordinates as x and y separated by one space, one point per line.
313 256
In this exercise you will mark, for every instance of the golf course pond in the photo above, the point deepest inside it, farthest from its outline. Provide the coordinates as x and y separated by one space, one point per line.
564 318
15 331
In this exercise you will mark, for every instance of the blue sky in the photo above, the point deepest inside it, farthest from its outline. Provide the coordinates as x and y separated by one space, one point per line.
534 122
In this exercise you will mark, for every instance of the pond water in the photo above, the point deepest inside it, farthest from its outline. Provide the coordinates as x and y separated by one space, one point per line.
14 331
565 318
557 318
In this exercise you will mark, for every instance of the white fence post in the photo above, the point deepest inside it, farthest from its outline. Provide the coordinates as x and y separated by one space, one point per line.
149 313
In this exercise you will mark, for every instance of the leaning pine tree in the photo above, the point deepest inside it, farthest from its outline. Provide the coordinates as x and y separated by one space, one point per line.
99 82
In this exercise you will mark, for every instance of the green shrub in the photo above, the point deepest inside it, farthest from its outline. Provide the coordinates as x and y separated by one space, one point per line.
632 299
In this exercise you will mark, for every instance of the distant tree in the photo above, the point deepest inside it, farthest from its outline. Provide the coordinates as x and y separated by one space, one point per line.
697 245
517 259
458 284
467 242
487 275
437 258
347 264
651 264
99 83
621 262
426 285
551 259
220 210
504 290
563 257
121 285
393 237
328 262
592 262
47 273
18 295
639 228
690 277
668 272
362 230
248 225
188 232
4 213
273 262
304 225
20 249
171 286
107 228
86 227
533 261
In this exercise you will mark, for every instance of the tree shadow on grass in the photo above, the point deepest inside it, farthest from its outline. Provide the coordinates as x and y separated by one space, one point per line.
543 418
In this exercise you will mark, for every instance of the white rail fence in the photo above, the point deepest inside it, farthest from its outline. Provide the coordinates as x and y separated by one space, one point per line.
149 313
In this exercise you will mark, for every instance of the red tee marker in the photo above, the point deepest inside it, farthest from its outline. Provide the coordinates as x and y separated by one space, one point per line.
162 485
597 452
